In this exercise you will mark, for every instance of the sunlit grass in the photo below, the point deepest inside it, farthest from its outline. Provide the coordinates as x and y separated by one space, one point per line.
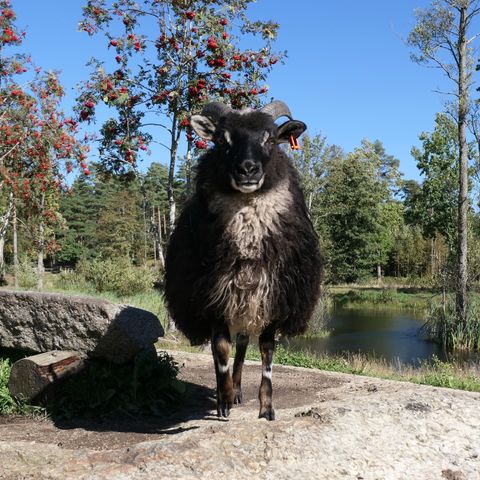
383 298
463 376
445 327
8 404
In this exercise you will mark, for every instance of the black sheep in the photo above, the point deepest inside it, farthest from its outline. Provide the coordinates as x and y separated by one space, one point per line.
243 259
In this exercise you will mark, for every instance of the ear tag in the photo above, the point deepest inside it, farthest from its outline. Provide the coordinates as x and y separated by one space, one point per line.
294 143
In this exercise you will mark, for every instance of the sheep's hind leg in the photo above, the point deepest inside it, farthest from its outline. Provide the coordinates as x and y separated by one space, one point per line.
267 346
241 345
221 345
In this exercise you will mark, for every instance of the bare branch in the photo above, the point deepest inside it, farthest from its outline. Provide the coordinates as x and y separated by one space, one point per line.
161 144
473 38
5 155
446 93
156 125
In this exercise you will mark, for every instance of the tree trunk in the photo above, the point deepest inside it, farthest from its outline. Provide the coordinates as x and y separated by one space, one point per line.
432 256
188 169
4 223
310 201
15 244
159 241
2 261
379 274
171 176
145 239
40 256
35 378
461 293
41 247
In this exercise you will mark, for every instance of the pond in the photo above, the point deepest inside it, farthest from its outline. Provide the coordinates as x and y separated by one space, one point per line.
392 334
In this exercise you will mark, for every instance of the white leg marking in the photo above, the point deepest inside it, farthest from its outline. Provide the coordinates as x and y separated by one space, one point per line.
223 368
267 372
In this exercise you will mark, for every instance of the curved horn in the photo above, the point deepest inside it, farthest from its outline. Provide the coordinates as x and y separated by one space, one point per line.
277 109
215 110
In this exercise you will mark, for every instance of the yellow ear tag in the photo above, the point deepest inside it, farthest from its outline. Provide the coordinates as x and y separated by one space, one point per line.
294 143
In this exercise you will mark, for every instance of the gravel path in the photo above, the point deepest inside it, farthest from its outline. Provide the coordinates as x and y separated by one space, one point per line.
329 426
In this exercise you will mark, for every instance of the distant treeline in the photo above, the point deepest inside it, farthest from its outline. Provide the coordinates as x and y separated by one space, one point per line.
371 222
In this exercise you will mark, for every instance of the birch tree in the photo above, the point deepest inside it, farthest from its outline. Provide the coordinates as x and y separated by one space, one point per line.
443 38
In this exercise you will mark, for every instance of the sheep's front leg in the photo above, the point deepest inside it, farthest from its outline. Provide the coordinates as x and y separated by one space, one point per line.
267 346
241 345
221 345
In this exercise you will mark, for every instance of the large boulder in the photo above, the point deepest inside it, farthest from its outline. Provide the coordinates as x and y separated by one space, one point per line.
40 322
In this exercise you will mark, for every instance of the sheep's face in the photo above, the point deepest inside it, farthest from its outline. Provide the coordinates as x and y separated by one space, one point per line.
245 151
246 143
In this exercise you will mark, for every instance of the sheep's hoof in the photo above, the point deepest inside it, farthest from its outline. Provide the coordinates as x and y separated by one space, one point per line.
267 412
238 399
223 409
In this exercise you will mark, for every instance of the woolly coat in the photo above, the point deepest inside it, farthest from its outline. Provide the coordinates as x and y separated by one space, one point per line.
248 261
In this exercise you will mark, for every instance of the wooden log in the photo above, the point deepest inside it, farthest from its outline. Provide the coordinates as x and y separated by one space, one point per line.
34 378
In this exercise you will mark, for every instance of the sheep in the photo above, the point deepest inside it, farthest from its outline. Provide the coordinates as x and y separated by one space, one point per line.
243 259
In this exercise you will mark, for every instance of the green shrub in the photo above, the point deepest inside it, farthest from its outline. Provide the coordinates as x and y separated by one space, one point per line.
72 280
387 295
112 275
148 386
8 404
27 274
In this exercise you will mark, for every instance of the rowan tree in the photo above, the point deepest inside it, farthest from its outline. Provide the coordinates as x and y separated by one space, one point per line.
51 146
170 56
36 138
12 65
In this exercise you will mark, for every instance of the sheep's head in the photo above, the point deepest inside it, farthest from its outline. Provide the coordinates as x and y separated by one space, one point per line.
246 140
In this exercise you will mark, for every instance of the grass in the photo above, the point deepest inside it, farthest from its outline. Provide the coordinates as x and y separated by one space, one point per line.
317 327
436 373
149 299
387 297
444 327
10 405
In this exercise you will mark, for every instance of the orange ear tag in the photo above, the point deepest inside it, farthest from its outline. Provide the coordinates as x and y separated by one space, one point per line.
294 143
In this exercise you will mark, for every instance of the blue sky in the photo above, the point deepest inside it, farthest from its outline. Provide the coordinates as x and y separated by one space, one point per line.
348 74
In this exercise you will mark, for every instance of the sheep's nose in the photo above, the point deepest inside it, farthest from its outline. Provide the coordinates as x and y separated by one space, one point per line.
248 168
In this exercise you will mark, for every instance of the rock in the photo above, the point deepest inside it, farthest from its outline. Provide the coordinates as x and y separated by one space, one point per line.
34 378
365 437
40 322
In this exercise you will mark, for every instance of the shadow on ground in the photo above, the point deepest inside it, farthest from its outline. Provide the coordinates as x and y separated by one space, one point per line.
293 388
114 432
198 403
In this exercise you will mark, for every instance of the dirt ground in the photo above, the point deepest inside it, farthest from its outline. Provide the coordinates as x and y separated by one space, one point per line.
290 391
328 426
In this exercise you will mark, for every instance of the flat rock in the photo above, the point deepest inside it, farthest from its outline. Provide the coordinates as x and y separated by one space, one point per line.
40 322
329 426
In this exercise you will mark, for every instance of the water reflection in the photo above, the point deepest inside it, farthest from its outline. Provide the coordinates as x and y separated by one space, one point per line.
391 334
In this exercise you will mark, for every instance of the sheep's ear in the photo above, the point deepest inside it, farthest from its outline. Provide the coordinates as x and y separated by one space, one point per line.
290 128
203 126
